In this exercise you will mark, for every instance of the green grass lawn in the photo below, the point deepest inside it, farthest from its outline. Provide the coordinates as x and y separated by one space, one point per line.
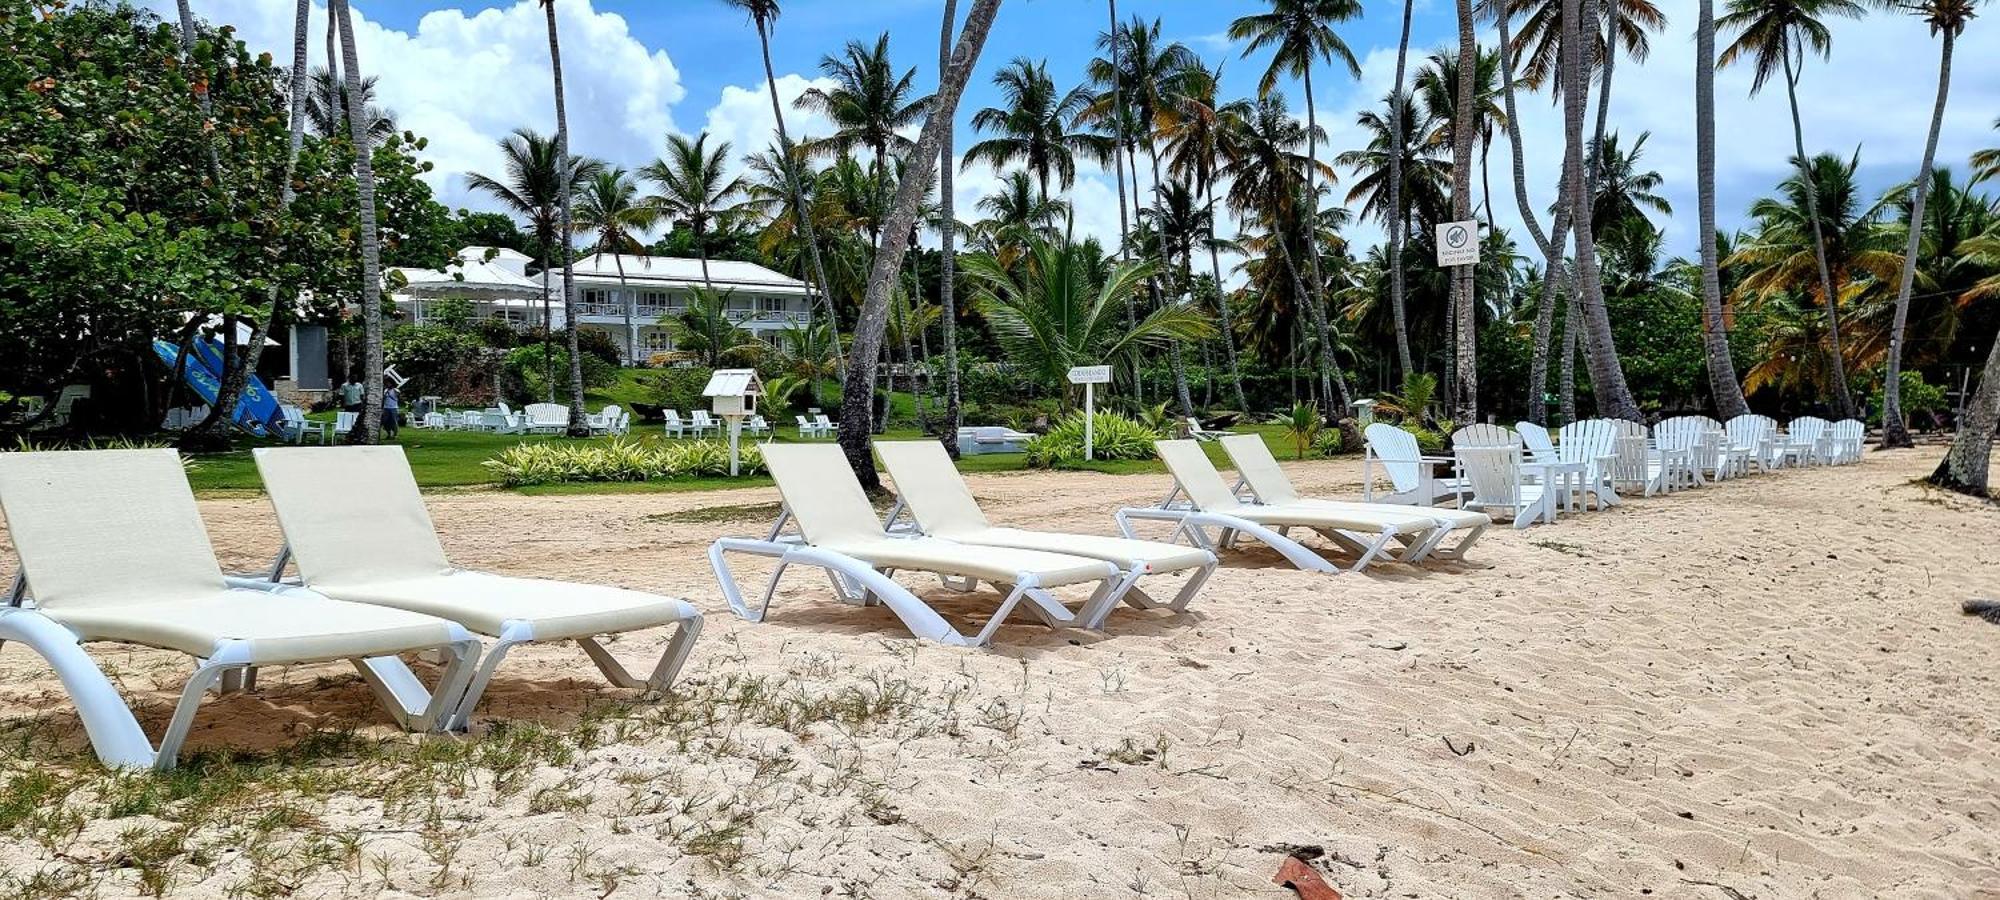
453 459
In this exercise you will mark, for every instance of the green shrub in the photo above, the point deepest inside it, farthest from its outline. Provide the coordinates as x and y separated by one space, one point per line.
680 388
1114 437
556 462
528 367
1326 444
1430 442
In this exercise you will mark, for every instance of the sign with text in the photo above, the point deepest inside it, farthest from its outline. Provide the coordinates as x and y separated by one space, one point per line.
1458 243
1090 375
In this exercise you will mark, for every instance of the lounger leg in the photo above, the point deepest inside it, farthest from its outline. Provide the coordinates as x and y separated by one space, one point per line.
663 674
114 733
414 707
1107 596
512 633
204 677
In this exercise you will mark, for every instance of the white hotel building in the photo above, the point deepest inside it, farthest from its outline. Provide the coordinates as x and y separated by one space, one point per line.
760 301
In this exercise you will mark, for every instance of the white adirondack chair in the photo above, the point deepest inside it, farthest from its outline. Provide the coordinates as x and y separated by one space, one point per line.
343 424
1806 440
807 429
1750 438
1641 467
674 427
1412 477
297 426
700 423
825 425
1594 444
1846 438
1536 439
607 421
1497 484
546 418
756 426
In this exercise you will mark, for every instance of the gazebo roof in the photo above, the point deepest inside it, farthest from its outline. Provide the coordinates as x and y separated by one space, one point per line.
468 278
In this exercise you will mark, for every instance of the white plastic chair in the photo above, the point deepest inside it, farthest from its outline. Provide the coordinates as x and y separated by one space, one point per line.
546 418
343 425
1260 472
1199 433
1412 478
1497 484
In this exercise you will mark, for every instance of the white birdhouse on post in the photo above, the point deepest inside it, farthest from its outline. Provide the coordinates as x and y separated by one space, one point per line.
733 395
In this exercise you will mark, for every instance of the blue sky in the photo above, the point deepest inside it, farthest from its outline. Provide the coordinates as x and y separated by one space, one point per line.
464 72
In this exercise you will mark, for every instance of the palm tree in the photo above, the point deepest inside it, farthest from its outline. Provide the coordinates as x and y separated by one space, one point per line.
326 108
1624 191
532 190
1301 34
1947 19
1266 175
1422 189
764 14
856 402
368 429
1722 383
1465 126
947 257
1781 260
1986 163
1538 45
609 210
1965 468
1033 126
869 105
579 425
695 188
1049 314
1397 126
703 330
1017 213
1607 375
1770 33
1192 127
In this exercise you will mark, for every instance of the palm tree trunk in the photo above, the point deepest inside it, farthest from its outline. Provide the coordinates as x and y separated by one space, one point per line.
631 314
1843 401
1332 381
1222 312
1465 400
1965 468
1722 382
805 224
1174 361
856 413
1551 245
579 426
1894 431
1572 323
548 325
1609 62
369 429
1117 163
1395 212
948 261
1607 375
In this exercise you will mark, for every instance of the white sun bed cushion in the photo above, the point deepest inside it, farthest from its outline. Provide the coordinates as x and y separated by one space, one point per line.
1255 463
1205 487
834 514
359 531
944 506
115 550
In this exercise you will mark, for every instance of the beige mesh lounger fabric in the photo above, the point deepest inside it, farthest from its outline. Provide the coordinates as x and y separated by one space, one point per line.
1265 478
113 548
357 527
930 488
838 532
1211 503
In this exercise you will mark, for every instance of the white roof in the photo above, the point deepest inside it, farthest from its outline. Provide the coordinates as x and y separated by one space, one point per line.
733 383
682 271
471 277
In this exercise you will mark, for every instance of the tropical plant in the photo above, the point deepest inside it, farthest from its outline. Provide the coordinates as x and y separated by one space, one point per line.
1113 437
619 459
1986 163
869 105
1033 126
1192 129
610 212
326 107
368 429
537 173
1302 424
695 189
704 332
1048 315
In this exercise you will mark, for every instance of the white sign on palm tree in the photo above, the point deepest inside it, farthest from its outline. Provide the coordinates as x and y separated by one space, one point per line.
1457 244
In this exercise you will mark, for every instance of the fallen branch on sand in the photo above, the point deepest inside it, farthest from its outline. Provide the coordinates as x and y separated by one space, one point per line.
1985 609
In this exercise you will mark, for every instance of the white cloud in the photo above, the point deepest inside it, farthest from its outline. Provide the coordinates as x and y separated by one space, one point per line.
464 81
743 117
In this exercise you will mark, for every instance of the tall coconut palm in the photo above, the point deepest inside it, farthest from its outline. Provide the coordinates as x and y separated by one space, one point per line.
694 189
326 107
869 105
948 256
1947 19
1465 352
368 429
579 425
1537 47
531 190
1722 383
856 412
1121 129
1774 37
1965 467
1607 374
1300 33
1192 127
610 212
1033 126
1624 191
1149 68
1986 163
1425 178
1437 90
764 14
1018 213
1397 124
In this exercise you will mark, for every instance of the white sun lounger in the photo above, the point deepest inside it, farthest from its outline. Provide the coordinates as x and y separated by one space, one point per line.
357 527
1265 478
929 487
1212 504
113 549
838 532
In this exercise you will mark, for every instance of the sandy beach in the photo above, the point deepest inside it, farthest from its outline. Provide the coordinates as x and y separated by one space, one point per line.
1760 689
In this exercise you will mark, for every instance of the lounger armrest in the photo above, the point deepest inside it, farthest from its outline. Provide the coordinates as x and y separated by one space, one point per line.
1438 460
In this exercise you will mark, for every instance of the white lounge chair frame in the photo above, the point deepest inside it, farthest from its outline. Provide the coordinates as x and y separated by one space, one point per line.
382 474
1258 470
166 522
924 466
1199 433
820 474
